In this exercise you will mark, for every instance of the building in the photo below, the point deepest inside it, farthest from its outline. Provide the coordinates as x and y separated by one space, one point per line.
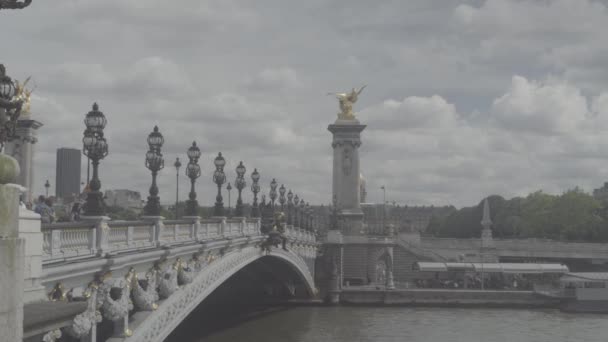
124 198
67 174
601 194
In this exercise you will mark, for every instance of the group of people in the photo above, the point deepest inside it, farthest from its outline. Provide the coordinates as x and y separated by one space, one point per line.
44 207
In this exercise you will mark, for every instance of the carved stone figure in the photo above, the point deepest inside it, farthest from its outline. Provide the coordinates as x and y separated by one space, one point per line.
52 336
144 292
167 284
114 296
185 273
86 321
346 103
347 162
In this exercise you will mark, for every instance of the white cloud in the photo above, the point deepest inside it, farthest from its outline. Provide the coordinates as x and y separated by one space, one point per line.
548 107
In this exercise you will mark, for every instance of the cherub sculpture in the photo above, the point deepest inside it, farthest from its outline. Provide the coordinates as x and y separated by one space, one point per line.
346 103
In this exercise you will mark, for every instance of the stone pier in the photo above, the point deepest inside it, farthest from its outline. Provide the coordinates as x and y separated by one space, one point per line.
12 249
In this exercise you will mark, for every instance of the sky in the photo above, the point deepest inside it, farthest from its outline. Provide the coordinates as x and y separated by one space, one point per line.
464 99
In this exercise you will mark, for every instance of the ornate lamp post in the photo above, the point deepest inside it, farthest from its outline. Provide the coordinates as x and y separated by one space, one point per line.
219 178
302 214
154 163
296 201
229 187
177 165
95 148
273 192
310 217
14 4
289 207
10 107
282 197
47 185
240 185
255 188
193 171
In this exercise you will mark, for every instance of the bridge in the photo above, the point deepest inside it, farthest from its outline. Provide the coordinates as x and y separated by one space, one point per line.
146 276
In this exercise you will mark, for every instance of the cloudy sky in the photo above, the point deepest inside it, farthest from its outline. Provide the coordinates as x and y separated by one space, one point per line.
464 98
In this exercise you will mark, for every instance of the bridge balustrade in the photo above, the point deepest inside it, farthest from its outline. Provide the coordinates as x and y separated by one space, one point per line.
85 239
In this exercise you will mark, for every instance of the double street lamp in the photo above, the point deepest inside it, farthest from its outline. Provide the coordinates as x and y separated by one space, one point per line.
95 148
255 188
193 171
154 163
219 178
240 185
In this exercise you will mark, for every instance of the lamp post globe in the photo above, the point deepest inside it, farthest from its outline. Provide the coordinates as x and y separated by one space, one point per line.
255 188
95 148
240 184
193 171
219 178
154 163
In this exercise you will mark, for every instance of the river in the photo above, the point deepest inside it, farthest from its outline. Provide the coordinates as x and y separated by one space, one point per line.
392 324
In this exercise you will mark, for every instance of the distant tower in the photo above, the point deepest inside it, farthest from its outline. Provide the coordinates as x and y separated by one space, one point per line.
362 188
67 176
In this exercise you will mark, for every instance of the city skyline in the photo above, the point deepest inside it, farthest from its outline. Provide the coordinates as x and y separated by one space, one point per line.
465 98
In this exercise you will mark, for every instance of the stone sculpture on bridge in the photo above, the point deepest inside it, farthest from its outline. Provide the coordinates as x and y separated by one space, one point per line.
346 103
277 235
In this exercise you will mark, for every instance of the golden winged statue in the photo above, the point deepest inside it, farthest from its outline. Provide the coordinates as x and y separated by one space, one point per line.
346 103
23 94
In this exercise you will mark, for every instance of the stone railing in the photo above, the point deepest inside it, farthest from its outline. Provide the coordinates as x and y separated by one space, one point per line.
100 237
299 235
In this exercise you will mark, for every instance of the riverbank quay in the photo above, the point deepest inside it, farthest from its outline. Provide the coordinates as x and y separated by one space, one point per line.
446 298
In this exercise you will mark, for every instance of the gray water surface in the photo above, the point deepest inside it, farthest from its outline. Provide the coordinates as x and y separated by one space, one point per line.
388 324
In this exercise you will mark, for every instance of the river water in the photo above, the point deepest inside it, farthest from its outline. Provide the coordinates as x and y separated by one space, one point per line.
392 324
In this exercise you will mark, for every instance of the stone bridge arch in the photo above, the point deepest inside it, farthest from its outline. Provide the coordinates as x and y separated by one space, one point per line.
158 324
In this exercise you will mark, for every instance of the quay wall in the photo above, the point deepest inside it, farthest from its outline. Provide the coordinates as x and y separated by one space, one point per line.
440 297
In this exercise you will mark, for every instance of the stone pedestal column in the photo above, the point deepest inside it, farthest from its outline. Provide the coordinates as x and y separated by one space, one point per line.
12 249
22 149
346 142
